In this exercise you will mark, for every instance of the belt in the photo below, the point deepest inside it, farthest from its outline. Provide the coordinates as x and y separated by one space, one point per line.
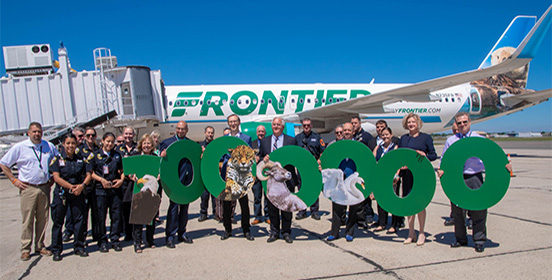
33 185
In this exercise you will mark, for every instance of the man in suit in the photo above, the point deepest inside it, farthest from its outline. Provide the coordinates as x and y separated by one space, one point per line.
177 214
234 124
365 211
209 136
268 145
258 187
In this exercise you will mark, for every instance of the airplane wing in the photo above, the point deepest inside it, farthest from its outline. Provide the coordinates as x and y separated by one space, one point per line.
528 98
420 92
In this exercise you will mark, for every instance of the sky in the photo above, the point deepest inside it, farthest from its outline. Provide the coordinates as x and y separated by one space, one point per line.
253 42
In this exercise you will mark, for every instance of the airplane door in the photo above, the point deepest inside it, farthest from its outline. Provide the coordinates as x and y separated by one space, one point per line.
475 101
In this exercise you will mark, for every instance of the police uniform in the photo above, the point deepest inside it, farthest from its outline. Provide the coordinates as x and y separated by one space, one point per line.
127 187
315 145
108 166
365 211
84 151
73 170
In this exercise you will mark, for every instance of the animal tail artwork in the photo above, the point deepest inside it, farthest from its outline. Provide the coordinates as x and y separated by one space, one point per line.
145 203
239 179
276 189
342 192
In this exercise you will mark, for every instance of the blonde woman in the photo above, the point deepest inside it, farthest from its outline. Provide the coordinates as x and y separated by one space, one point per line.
423 144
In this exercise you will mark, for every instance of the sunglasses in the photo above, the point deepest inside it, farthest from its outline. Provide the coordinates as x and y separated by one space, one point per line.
90 135
306 125
339 132
463 122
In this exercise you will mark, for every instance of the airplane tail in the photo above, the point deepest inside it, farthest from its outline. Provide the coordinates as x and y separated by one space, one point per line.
509 41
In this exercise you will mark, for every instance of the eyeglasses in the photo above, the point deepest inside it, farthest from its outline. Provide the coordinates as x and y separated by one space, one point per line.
90 135
339 132
462 122
306 125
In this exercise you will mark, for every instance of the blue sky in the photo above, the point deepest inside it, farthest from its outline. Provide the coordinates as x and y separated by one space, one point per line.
234 42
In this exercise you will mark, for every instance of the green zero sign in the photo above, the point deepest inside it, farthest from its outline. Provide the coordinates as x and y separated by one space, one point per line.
497 178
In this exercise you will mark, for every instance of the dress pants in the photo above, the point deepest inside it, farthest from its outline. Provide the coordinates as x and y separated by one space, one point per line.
274 215
257 203
111 200
204 206
338 212
479 217
35 202
77 205
177 220
227 214
137 234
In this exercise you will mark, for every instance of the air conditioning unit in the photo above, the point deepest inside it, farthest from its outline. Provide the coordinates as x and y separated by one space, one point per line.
28 59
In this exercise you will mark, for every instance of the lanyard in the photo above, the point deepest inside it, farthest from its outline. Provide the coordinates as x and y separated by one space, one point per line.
38 158
384 150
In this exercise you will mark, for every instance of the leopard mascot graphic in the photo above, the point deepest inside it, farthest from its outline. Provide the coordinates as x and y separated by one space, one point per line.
239 178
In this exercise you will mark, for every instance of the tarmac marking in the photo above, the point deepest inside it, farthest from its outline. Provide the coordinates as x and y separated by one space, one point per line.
28 270
432 264
506 216
378 267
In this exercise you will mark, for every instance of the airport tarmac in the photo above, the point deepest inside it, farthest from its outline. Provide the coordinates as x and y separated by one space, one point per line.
519 231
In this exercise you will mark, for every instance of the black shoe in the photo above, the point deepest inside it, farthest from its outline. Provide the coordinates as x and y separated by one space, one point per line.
185 239
449 222
117 247
362 224
300 216
249 237
479 248
369 219
202 218
458 244
315 216
272 238
57 257
170 244
288 239
81 252
103 248
225 235
67 237
137 248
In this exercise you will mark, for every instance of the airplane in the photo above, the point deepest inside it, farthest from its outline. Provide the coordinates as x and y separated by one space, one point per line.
494 89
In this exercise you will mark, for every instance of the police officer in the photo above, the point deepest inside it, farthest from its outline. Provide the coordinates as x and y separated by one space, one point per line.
365 211
311 141
106 166
88 146
126 149
69 172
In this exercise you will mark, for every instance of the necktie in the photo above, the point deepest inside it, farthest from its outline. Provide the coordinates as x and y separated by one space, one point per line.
275 145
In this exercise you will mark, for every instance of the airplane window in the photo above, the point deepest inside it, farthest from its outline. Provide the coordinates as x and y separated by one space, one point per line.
323 100
452 99
292 100
170 103
193 102
185 102
316 100
301 100
255 101
459 99
247 101
239 101
177 103
446 99
200 102
281 100
308 100
330 100
262 101
270 101
224 101
208 102
232 102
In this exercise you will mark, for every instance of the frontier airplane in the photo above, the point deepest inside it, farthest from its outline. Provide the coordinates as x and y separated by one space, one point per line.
495 89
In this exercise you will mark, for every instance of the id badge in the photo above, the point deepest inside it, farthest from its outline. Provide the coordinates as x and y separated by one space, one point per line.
61 162
105 170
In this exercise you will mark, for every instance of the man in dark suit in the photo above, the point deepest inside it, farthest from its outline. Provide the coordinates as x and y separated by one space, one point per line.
234 124
258 187
209 136
365 211
268 145
177 214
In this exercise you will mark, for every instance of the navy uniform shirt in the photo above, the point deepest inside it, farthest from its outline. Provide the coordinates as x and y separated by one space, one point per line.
85 151
108 166
128 185
315 143
72 170
363 136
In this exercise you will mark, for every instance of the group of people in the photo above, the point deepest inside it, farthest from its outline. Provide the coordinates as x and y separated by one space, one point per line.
90 179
